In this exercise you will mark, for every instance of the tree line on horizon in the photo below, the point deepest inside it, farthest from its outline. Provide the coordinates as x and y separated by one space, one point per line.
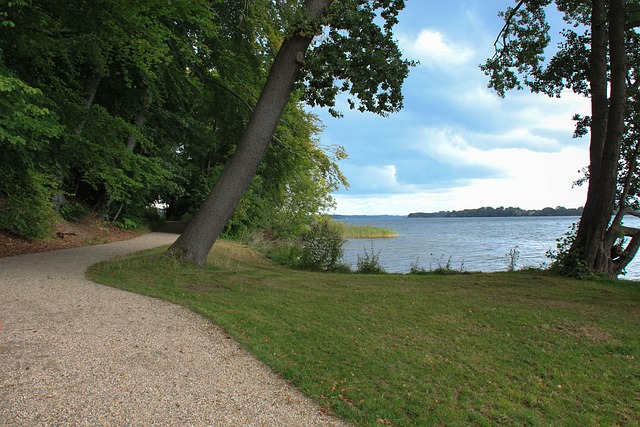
500 212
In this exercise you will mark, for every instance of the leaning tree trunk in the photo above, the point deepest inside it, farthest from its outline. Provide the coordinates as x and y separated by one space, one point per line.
607 129
205 228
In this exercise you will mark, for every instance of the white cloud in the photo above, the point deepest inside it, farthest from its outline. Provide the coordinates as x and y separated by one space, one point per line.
541 112
433 49
527 179
520 137
536 112
377 179
482 150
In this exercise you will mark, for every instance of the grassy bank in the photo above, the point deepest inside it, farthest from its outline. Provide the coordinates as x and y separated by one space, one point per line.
481 349
362 231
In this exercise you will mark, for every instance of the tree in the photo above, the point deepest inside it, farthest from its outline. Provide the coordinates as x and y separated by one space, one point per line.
25 184
352 48
597 59
103 66
121 104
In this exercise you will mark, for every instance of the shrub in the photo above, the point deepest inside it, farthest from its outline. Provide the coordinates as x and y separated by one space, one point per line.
565 262
321 247
130 224
446 268
369 263
25 205
73 212
512 258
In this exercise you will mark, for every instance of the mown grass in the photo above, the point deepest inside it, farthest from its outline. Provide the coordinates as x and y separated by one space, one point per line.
521 348
362 231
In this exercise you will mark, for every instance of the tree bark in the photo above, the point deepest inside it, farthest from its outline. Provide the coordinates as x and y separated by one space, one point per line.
205 228
90 89
607 129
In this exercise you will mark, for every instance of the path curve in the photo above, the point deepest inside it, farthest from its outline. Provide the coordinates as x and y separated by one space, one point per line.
73 352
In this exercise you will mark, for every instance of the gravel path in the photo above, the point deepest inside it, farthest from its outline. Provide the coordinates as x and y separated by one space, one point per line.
76 353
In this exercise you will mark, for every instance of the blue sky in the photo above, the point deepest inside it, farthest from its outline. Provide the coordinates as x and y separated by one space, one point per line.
456 144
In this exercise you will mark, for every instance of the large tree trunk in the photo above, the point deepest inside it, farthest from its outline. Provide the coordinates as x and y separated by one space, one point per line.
607 128
205 228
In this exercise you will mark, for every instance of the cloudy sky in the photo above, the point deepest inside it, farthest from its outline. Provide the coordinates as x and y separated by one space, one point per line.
456 144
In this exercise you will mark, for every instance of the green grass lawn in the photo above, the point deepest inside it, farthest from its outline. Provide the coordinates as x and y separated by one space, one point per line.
521 348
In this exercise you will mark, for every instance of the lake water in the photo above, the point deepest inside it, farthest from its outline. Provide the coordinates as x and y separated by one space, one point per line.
470 244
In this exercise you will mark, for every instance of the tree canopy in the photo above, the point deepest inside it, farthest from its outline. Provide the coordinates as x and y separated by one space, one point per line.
121 105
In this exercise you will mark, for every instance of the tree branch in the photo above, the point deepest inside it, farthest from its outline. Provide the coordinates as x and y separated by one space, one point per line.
630 231
221 85
632 212
504 32
628 254
226 88
612 232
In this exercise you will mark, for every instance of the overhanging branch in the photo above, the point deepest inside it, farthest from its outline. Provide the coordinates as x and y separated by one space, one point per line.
504 32
630 231
249 108
632 213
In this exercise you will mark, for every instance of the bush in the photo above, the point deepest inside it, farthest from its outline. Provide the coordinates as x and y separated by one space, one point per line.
73 212
369 263
321 247
27 129
25 206
130 224
564 261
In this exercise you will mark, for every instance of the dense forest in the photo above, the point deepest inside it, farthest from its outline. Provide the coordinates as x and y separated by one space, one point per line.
115 107
499 212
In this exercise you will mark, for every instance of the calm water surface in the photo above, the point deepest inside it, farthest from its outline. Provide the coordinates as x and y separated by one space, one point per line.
470 244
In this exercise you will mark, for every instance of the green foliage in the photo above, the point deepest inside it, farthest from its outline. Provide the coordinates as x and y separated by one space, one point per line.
25 204
369 262
73 212
445 267
566 262
282 252
363 231
128 104
26 185
129 224
24 120
321 247
359 51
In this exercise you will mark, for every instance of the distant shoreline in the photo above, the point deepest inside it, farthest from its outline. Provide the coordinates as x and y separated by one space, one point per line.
500 212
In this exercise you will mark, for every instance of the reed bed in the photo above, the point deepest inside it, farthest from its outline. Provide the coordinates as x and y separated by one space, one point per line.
363 231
